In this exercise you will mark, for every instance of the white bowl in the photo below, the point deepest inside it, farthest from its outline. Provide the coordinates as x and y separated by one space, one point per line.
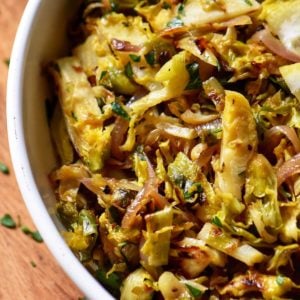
41 36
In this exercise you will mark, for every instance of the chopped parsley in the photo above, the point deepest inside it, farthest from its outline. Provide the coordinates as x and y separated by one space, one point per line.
8 222
280 280
100 102
194 82
165 5
120 111
194 291
4 169
150 57
33 264
280 83
215 220
112 281
135 58
35 235
128 70
181 9
248 2
74 116
7 61
103 74
192 189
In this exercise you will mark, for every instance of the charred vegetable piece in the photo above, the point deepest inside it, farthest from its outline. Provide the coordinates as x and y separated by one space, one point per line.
261 196
157 238
137 285
216 238
239 143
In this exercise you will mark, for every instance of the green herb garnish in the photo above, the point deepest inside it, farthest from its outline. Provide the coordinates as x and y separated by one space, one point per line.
191 189
165 5
7 61
280 280
135 58
35 235
103 74
150 57
114 5
215 220
8 222
120 111
88 221
195 82
112 282
74 116
248 2
194 291
100 102
33 264
280 83
181 10
128 70
4 169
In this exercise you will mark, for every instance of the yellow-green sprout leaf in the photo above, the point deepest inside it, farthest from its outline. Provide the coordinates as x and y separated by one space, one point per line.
261 196
95 54
173 85
193 265
124 28
82 113
182 166
239 143
76 240
290 215
271 287
290 73
195 13
140 166
218 239
172 289
88 221
183 174
157 237
282 256
188 44
294 120
137 286
283 18
111 281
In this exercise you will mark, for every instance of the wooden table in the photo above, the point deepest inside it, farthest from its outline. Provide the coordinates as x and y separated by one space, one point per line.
20 280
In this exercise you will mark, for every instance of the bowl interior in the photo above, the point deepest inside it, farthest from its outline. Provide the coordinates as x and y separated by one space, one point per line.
46 42
41 37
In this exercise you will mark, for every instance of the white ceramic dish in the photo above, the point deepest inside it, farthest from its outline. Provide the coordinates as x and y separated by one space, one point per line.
41 36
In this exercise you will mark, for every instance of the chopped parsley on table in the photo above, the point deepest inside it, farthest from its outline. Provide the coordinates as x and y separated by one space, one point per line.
34 234
4 168
8 222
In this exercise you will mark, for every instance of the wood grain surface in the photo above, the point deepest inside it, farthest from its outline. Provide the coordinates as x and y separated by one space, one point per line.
18 252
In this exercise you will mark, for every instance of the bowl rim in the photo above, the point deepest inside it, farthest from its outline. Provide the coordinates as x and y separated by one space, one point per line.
21 163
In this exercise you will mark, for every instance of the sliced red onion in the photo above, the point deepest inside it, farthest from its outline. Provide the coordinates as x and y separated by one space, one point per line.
289 132
288 169
147 194
275 45
124 46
